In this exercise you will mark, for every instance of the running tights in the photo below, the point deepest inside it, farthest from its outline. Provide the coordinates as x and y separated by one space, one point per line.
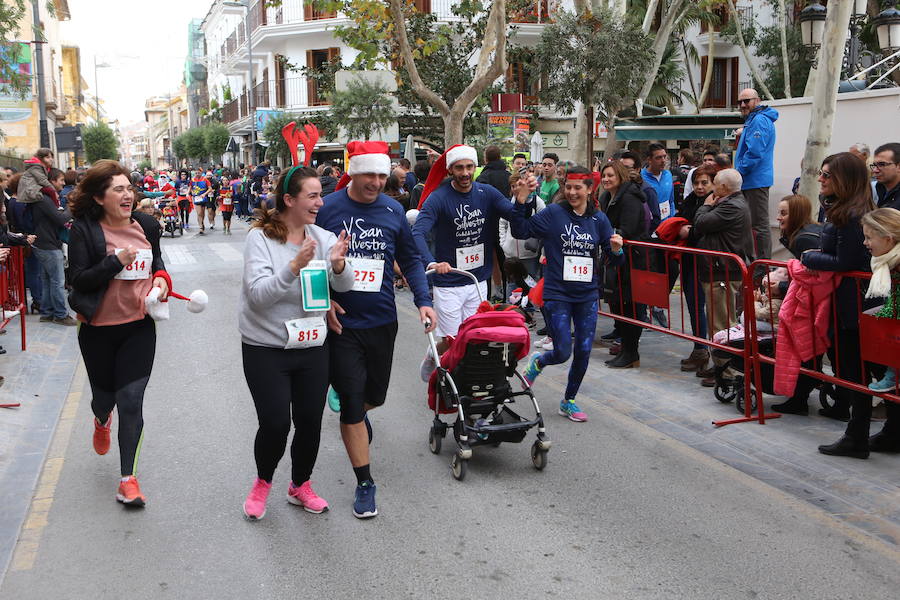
119 359
184 211
561 316
286 385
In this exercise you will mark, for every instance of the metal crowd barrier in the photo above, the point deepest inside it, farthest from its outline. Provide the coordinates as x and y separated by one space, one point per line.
12 290
651 282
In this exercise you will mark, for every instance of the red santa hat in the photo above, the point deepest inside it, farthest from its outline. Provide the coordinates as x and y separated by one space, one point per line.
366 157
441 167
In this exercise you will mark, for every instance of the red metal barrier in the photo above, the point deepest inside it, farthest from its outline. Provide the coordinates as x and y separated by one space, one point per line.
652 286
879 340
12 295
12 290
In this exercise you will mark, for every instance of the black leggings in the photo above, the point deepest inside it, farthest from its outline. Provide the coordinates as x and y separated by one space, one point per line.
184 210
287 384
119 360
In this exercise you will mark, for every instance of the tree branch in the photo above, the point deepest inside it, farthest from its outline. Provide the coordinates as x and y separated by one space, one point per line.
409 62
782 26
673 15
488 69
739 30
648 17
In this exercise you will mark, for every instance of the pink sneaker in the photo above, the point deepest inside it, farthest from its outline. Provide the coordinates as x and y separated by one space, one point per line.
305 496
255 504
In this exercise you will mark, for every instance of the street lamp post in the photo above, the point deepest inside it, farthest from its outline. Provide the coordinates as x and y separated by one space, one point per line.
39 75
97 65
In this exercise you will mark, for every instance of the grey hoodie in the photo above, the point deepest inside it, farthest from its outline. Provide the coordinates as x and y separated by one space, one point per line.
270 294
33 179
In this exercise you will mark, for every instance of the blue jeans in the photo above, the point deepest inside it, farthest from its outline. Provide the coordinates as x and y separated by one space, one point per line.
33 278
561 317
694 296
53 281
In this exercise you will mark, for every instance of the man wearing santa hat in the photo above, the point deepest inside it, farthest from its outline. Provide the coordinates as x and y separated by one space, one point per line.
362 341
463 216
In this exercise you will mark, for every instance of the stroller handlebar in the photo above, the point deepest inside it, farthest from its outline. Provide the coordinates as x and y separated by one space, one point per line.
463 273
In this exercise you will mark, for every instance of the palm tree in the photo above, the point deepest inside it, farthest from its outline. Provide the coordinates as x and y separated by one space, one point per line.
666 90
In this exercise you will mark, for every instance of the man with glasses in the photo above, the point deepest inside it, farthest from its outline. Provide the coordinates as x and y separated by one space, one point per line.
886 168
754 161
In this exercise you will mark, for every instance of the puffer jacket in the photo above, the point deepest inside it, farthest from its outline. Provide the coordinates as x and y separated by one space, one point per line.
842 249
756 149
804 318
33 179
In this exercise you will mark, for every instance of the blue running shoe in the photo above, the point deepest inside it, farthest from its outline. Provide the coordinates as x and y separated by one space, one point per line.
334 401
569 409
533 369
364 505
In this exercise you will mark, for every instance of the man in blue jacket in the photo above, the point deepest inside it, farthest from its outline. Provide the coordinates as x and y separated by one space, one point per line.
754 161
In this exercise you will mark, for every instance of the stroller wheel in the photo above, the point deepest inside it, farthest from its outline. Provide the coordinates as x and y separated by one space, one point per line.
725 392
434 440
538 456
458 467
739 400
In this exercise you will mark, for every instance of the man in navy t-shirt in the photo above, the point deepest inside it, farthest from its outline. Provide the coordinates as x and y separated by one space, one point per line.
463 216
361 345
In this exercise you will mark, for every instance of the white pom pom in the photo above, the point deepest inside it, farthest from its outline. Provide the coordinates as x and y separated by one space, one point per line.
158 311
198 301
411 216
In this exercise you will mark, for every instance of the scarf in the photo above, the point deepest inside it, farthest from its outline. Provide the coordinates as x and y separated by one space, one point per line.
880 286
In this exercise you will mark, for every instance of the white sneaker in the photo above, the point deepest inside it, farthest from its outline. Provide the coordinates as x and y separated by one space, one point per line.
544 340
429 364
548 345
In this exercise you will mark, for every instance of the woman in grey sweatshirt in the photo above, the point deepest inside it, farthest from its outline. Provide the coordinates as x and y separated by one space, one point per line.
284 347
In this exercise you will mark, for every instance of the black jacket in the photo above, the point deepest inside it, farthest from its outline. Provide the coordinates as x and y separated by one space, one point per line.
495 174
627 215
328 184
808 238
842 249
48 220
725 227
886 198
91 268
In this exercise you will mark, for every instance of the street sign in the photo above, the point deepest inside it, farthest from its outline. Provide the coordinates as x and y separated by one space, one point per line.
555 139
68 139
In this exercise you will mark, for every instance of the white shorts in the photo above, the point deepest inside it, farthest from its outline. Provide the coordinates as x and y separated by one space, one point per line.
454 305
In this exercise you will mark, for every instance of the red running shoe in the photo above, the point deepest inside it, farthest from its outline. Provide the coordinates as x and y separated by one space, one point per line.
130 492
101 435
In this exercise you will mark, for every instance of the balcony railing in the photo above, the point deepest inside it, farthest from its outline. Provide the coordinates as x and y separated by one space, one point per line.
291 93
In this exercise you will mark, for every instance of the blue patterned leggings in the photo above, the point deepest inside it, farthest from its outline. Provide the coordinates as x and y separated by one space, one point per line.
561 316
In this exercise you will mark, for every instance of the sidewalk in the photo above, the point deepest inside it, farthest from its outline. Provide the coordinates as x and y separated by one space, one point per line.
782 453
40 379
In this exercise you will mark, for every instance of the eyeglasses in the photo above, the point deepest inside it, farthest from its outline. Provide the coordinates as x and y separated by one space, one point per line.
881 165
825 174
747 100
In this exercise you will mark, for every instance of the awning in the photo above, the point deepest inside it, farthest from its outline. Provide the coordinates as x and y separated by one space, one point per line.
676 132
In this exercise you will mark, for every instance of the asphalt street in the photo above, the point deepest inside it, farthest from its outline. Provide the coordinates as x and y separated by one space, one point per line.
621 511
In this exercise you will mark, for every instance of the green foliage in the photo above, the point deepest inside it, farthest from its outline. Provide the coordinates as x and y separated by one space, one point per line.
193 143
178 148
592 58
143 165
215 140
362 109
11 13
99 142
271 133
441 52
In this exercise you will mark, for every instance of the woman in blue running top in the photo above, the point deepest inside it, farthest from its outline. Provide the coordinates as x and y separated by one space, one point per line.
573 232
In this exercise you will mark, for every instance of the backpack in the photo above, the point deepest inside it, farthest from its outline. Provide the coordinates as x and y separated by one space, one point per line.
679 179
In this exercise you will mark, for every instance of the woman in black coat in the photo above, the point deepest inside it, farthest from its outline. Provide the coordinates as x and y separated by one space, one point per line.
626 208
845 184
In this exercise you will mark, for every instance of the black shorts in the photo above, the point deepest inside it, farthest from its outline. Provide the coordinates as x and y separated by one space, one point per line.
360 368
226 215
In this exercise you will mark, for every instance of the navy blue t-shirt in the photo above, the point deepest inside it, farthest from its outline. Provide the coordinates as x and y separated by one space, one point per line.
465 230
571 244
378 232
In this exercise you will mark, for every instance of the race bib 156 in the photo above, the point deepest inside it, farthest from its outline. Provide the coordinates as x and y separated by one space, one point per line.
470 258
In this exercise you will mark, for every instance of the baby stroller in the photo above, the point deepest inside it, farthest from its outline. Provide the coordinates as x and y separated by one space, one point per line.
171 219
474 382
727 391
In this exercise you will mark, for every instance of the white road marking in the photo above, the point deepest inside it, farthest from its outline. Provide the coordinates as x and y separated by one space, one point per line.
227 252
178 254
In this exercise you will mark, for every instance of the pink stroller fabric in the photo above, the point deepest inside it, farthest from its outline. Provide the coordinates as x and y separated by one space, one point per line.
506 327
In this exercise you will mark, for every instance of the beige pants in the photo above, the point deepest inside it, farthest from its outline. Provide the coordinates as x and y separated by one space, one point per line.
722 311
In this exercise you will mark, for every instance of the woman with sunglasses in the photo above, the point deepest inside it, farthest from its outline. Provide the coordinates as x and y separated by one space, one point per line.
847 197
